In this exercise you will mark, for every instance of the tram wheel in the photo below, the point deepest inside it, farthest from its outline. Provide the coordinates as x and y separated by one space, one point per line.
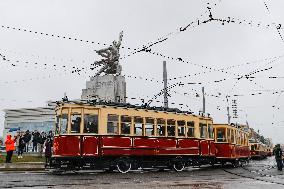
178 166
123 165
236 163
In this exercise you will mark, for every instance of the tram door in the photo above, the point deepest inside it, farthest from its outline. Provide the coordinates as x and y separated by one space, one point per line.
90 126
67 139
73 141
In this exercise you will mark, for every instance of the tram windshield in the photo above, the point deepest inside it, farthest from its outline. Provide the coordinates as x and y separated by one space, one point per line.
221 135
63 123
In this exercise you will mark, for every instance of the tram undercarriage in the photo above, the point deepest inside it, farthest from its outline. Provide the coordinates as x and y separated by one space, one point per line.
124 164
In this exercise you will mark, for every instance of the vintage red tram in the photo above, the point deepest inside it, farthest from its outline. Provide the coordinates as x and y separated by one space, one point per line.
124 137
231 144
259 150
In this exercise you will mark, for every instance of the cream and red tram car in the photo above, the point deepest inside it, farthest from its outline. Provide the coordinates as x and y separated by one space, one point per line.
231 144
258 150
124 137
105 136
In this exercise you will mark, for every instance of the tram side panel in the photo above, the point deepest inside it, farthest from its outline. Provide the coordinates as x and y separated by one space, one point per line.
90 146
225 150
167 146
204 147
67 146
116 146
188 146
144 146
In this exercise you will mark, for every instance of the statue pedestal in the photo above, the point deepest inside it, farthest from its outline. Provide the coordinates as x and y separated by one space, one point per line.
107 88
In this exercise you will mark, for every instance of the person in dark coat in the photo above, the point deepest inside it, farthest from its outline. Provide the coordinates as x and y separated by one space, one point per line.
36 138
27 139
48 152
278 156
21 146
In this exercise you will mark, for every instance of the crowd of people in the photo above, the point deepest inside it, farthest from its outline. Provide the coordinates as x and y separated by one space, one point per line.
29 142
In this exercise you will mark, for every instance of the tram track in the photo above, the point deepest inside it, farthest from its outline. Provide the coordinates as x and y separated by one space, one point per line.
259 172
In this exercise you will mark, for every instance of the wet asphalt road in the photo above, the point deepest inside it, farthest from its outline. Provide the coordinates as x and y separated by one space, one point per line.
259 174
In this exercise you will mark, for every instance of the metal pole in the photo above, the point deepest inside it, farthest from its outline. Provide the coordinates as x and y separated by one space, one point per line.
228 111
203 95
165 84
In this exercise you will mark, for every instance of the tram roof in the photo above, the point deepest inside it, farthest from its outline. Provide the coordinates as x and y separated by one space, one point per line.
104 104
230 126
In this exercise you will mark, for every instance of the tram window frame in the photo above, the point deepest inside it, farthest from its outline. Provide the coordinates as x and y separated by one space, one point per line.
210 131
161 127
60 123
203 130
112 124
171 127
190 128
149 126
94 125
219 139
181 126
125 123
138 124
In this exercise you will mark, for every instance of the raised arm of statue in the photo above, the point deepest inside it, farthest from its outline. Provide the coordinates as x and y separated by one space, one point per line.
120 39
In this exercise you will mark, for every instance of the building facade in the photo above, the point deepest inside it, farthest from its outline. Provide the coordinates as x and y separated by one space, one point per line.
40 119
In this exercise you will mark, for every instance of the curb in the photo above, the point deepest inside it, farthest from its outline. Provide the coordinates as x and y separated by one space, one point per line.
21 169
23 166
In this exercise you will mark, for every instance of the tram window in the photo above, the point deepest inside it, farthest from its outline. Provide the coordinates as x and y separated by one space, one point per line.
149 127
75 123
246 140
210 131
221 135
138 126
125 125
171 127
63 123
242 138
229 135
203 130
57 125
181 128
238 138
161 127
91 123
233 136
112 124
190 129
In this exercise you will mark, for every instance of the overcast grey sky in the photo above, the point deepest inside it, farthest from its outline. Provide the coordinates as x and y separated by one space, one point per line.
211 45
